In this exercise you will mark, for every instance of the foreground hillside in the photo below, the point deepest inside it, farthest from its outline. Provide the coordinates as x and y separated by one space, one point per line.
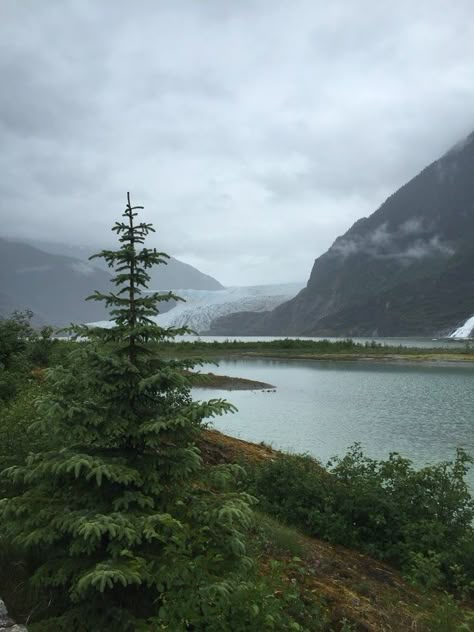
369 594
405 270
319 568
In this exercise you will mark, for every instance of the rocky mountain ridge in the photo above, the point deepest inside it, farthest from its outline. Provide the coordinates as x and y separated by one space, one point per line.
405 270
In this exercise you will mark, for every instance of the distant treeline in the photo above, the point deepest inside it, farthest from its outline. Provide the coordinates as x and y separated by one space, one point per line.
303 346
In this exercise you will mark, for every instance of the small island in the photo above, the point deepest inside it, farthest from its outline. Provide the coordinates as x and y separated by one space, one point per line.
229 383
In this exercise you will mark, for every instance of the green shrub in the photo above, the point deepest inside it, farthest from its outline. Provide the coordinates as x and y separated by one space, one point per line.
420 520
41 347
424 570
14 334
447 616
17 342
17 441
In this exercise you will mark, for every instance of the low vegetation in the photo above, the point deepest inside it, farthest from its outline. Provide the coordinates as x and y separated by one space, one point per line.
114 492
226 382
294 348
419 520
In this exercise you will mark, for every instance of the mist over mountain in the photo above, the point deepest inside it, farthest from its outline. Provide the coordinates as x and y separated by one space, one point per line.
175 275
54 286
408 269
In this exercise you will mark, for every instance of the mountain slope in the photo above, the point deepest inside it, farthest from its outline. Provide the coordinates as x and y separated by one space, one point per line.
173 276
177 275
405 270
54 286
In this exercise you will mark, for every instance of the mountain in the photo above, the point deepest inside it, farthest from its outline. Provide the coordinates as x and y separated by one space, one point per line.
408 269
175 275
54 286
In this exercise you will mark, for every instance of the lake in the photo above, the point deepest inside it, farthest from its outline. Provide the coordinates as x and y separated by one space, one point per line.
421 411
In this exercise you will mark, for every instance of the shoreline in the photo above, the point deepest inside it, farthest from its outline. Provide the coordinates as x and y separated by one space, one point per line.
434 359
344 351
228 383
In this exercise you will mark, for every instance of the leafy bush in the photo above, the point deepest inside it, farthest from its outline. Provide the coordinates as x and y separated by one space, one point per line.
15 333
449 617
41 347
16 418
420 520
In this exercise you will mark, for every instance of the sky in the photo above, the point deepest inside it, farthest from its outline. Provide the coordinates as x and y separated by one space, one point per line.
254 132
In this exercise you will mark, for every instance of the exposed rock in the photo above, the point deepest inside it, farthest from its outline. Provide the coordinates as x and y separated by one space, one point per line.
6 623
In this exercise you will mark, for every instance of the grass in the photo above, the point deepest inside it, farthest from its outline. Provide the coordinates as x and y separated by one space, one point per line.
316 350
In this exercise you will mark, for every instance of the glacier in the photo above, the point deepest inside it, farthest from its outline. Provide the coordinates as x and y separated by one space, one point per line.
202 306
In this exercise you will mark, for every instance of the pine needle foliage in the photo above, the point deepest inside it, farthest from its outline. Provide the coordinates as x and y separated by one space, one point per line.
133 532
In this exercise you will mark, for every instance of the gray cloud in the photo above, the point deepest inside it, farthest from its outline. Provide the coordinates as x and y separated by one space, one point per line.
406 243
253 132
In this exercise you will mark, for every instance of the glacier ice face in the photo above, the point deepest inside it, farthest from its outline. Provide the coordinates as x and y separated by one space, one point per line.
202 306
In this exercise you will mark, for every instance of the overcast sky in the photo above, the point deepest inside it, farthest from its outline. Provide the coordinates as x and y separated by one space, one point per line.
254 132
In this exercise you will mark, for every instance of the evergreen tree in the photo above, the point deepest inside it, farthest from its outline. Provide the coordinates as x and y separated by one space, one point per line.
133 532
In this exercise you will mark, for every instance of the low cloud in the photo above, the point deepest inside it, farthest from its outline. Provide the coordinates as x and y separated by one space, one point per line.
382 243
83 268
421 249
253 132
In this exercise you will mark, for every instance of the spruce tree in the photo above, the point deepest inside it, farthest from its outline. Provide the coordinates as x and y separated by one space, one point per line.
132 532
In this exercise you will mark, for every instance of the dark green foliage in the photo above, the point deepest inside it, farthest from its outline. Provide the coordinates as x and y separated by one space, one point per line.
292 347
16 439
15 333
449 617
420 520
21 350
42 346
287 344
132 532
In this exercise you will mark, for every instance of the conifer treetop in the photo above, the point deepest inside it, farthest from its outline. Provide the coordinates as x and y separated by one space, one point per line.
132 307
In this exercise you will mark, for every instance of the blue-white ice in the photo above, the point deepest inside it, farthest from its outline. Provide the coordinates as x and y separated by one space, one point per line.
202 306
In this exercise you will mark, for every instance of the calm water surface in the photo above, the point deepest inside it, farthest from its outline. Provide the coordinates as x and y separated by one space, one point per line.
421 411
